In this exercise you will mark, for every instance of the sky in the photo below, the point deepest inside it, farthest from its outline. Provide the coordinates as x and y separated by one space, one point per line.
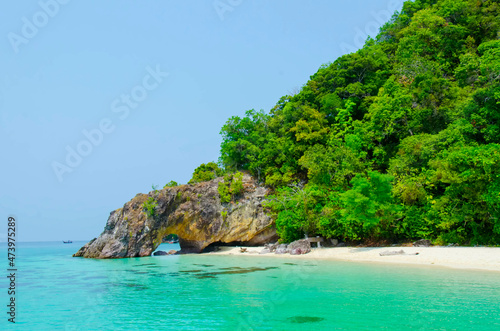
100 100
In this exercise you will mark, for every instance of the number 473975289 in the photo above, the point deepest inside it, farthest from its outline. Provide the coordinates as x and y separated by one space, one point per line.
11 240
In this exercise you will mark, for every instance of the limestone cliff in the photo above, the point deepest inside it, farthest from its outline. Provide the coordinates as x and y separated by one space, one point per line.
193 212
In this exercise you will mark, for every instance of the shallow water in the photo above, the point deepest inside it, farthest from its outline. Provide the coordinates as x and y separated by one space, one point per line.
193 292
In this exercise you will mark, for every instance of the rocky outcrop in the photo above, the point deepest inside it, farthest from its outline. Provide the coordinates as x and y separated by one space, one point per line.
298 247
193 212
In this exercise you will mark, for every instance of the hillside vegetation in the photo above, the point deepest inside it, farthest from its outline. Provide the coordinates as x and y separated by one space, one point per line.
398 141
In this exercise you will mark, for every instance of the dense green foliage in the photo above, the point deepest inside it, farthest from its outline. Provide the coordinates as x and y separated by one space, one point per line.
398 141
206 172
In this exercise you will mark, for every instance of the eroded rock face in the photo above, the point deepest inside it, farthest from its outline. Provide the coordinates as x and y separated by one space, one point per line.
193 212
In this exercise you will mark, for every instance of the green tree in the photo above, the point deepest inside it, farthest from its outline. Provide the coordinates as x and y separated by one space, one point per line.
206 172
171 184
394 141
367 204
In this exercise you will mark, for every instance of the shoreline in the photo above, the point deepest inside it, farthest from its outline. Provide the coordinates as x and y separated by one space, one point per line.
472 258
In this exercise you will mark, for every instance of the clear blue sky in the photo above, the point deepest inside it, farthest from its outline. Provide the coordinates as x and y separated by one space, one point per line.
68 66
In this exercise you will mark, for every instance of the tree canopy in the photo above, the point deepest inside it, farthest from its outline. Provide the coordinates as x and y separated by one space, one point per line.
397 141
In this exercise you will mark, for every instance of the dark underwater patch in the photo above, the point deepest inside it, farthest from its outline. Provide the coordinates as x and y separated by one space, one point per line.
205 276
136 286
232 271
304 319
140 265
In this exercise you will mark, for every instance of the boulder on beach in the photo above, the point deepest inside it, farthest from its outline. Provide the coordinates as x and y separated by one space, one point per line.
159 253
271 247
281 249
422 243
298 247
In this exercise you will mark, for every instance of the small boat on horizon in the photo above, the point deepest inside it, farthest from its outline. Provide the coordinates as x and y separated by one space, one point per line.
67 242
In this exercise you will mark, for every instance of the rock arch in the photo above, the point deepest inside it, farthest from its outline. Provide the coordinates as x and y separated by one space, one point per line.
193 212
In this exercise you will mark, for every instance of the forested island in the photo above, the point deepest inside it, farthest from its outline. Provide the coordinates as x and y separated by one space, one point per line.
396 142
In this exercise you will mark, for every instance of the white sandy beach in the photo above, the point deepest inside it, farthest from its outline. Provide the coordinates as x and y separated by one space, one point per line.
482 258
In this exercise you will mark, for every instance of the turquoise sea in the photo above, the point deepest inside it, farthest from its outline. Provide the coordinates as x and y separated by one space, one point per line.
191 292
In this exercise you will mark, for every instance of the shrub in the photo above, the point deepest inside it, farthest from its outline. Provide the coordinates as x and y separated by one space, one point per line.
206 172
171 184
231 187
150 206
225 195
224 214
236 186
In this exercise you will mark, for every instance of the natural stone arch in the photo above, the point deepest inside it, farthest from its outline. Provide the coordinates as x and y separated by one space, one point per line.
193 212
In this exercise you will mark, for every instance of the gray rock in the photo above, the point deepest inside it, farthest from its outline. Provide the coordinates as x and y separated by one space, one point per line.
422 243
272 247
298 247
281 249
159 253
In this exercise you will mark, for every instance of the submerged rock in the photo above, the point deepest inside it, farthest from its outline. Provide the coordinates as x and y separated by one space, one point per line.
298 247
193 212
